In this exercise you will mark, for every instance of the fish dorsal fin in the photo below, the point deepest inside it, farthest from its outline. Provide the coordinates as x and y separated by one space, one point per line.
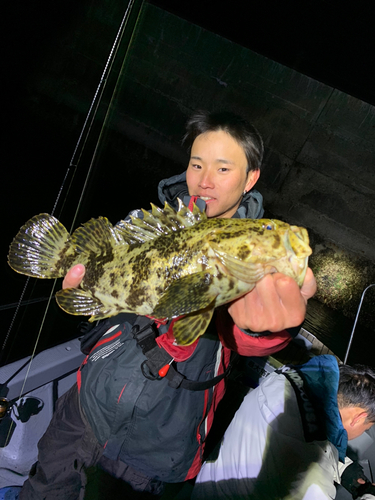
129 234
96 236
159 222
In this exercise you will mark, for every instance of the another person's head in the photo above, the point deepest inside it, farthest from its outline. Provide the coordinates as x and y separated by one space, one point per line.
356 399
225 158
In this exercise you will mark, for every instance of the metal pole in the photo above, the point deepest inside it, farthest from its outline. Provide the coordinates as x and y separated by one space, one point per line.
355 322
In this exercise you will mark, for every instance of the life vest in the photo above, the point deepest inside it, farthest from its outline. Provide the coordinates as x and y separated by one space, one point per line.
156 424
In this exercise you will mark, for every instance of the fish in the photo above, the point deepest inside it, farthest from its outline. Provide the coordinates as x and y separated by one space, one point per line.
168 264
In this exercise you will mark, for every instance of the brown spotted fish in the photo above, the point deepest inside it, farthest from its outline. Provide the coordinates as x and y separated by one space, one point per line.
166 265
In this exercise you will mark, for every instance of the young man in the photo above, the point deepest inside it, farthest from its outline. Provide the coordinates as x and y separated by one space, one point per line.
290 433
143 429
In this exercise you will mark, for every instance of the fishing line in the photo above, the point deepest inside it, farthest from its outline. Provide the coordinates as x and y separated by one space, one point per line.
110 63
37 340
87 126
103 80
13 318
77 154
29 362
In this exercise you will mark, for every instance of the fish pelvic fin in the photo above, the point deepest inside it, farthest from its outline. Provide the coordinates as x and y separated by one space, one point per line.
187 329
41 248
160 222
185 295
81 303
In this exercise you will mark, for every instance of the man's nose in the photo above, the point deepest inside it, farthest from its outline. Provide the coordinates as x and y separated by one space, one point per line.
206 180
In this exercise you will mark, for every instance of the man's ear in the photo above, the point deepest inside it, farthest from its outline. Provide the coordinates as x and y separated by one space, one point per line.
358 418
252 178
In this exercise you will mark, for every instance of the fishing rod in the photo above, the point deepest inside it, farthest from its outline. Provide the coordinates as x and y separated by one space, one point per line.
27 302
133 5
5 407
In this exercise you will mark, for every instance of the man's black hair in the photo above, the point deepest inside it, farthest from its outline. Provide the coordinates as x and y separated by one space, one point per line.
240 129
357 388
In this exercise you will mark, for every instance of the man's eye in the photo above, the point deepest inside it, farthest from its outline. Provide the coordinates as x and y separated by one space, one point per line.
195 165
224 169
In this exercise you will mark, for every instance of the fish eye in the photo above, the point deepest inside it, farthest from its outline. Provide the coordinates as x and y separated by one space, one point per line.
269 227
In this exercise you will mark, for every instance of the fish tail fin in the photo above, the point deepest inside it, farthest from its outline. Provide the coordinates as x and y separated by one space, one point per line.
39 248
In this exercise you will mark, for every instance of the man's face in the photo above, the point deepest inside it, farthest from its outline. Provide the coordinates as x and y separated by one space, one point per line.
217 173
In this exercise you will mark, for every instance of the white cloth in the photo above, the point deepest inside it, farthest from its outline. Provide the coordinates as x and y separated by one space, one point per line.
264 455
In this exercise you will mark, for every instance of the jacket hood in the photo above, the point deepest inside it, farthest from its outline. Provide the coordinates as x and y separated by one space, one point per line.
170 189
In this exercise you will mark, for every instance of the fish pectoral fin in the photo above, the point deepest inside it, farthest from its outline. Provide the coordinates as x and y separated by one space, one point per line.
186 295
249 272
187 329
80 302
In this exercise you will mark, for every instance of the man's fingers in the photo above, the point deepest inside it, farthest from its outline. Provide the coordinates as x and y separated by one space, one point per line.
275 303
74 276
309 285
292 301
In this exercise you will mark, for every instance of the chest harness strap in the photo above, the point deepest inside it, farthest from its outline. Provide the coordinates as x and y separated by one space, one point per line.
144 331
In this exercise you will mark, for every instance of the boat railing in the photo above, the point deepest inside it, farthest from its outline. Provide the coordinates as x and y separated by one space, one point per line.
355 322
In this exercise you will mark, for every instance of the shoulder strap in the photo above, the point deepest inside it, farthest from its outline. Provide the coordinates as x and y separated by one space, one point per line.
312 427
91 334
144 332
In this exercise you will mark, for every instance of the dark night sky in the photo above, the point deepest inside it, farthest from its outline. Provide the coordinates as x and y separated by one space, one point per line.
330 41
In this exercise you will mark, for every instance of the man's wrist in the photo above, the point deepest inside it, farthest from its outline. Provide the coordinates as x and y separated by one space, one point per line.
247 331
294 330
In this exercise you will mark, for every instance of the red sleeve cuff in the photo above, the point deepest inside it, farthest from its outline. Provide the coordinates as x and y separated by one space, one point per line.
235 339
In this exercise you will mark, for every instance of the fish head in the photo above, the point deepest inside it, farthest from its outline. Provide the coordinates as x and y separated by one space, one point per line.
291 245
300 250
275 246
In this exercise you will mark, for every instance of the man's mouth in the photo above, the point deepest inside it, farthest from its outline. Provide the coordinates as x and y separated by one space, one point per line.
206 198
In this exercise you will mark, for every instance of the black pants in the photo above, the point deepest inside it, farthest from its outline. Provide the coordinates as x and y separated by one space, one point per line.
67 450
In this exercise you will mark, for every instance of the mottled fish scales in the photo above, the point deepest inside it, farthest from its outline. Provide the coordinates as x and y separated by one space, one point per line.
170 264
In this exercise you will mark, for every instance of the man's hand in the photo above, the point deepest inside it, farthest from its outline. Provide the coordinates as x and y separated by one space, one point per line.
355 481
366 490
74 276
274 304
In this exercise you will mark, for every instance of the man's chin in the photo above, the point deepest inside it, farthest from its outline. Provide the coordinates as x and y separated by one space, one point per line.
211 212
